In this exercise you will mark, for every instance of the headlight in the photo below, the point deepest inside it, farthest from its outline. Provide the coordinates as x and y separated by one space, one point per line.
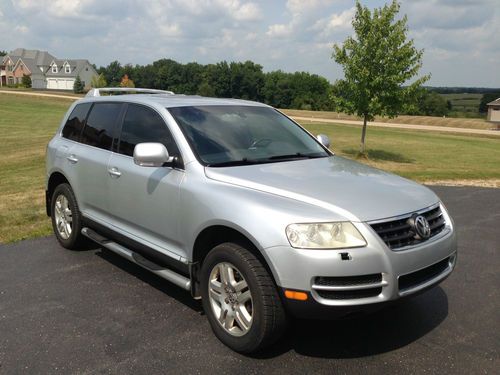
324 235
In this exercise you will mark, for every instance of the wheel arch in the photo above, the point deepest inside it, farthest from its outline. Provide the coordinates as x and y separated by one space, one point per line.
217 234
55 179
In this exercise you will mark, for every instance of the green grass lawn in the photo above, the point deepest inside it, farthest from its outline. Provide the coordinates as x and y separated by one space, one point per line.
26 126
28 123
422 156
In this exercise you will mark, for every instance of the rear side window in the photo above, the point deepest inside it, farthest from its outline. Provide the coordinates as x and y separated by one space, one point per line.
100 125
73 127
142 124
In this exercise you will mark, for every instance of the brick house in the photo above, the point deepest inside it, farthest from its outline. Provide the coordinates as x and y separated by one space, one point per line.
45 70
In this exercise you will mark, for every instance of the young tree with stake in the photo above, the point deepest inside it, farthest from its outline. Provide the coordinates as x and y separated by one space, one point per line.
378 63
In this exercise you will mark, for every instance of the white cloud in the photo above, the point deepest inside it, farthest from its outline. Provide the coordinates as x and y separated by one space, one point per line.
22 29
247 12
251 36
337 22
459 36
279 30
306 6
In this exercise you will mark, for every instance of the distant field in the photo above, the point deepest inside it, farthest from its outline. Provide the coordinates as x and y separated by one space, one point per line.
466 103
28 123
472 123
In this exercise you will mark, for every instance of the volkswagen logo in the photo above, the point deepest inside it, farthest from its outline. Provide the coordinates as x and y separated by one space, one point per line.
422 228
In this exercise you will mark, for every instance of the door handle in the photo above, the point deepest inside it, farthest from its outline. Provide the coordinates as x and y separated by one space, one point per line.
114 172
72 159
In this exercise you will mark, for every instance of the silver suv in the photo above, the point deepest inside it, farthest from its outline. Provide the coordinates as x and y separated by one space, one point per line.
238 204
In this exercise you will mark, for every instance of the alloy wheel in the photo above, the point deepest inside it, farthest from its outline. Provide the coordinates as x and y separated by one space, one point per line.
230 299
63 216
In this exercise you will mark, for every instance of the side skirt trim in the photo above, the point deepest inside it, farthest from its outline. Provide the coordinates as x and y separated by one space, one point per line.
167 274
162 260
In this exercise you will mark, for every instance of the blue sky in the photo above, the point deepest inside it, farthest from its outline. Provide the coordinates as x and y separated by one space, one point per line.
461 38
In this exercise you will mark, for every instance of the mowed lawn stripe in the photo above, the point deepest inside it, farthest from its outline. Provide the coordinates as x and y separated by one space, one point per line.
26 126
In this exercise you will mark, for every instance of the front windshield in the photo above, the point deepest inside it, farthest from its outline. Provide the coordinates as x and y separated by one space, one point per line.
225 135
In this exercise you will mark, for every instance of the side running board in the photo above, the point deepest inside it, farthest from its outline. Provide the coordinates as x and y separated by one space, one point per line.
164 273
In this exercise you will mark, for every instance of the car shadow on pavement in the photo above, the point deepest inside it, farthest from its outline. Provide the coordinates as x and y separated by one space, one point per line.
150 278
390 328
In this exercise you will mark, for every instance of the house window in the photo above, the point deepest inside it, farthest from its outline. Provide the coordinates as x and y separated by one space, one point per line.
67 68
54 68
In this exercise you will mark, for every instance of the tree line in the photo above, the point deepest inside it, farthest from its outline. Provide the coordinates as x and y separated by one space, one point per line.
247 80
241 80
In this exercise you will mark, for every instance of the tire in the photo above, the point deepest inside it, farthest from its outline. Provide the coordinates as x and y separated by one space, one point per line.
66 218
241 304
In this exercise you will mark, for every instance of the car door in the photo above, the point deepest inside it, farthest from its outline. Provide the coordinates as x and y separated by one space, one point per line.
145 200
90 156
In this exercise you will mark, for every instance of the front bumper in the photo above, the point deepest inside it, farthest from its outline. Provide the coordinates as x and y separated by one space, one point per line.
364 277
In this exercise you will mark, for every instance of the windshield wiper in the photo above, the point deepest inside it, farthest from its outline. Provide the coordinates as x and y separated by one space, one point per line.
295 156
246 161
231 163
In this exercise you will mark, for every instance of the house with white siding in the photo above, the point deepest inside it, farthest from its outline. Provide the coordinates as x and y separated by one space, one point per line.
494 112
46 71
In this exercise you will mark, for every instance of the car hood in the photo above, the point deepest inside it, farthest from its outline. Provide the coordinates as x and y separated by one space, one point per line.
353 190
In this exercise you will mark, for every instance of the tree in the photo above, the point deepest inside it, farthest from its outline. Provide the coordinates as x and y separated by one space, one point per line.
427 103
126 82
113 73
3 53
434 104
487 98
378 61
78 86
26 81
98 81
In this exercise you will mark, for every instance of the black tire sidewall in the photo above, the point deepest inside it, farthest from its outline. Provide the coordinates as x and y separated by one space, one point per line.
76 226
252 339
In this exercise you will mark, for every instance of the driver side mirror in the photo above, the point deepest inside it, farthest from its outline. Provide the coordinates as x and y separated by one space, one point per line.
151 154
324 140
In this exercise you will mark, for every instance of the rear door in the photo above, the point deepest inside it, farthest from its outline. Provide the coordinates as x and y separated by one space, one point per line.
145 200
90 157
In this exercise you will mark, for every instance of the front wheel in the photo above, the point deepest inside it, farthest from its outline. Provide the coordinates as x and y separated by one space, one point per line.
240 299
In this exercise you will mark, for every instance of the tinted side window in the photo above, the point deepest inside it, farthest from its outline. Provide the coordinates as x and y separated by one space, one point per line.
98 130
76 120
142 124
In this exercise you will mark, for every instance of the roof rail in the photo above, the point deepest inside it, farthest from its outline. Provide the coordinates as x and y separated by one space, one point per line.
126 90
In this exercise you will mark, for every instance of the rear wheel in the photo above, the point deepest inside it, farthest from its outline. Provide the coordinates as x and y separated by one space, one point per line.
66 218
240 299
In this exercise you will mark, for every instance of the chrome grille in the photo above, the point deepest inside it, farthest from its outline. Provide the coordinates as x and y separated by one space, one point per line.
348 280
398 233
348 287
349 294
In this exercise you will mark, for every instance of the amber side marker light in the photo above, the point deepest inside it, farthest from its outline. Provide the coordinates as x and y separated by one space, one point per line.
300 296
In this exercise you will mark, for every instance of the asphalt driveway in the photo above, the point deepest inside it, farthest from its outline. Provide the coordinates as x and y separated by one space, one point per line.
92 312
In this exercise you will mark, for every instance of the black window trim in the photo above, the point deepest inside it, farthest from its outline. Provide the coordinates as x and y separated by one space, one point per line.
180 162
